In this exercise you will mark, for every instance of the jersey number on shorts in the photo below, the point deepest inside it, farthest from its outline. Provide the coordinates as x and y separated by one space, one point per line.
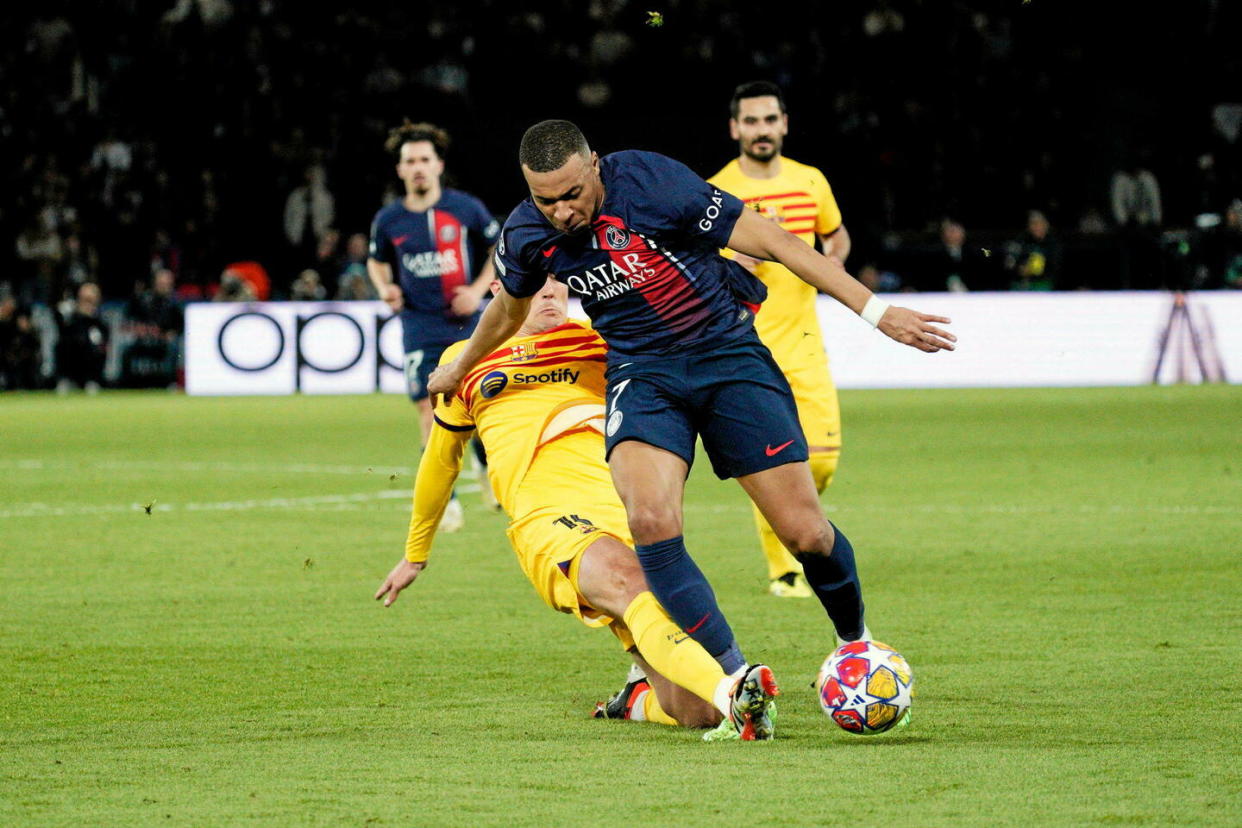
413 361
581 524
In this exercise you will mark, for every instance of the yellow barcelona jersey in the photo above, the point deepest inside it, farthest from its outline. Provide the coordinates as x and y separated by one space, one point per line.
524 396
800 200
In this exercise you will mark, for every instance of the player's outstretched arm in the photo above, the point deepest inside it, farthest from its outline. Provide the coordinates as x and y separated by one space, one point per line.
433 488
756 236
499 321
402 575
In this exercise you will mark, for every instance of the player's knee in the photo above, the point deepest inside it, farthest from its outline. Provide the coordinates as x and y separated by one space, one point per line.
809 537
610 576
653 522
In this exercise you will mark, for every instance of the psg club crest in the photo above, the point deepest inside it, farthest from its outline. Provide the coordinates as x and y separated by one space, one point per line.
618 239
448 234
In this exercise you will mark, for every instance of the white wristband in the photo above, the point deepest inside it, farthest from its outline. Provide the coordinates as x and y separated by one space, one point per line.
873 310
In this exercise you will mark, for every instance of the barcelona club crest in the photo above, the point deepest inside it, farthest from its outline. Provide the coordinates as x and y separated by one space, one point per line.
524 351
618 238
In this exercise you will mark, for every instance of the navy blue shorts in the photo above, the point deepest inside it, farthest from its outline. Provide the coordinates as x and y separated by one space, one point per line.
423 341
420 360
734 397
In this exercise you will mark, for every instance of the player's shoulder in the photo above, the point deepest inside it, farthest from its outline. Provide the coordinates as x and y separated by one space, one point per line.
571 328
451 352
523 227
796 168
730 172
576 336
639 165
389 211
456 199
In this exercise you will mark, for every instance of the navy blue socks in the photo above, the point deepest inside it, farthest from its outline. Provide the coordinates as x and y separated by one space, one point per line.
835 581
678 584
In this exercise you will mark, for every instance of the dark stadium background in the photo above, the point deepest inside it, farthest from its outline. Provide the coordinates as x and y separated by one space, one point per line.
915 110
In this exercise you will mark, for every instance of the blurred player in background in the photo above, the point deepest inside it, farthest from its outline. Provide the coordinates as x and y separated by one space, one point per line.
636 236
430 261
538 404
798 199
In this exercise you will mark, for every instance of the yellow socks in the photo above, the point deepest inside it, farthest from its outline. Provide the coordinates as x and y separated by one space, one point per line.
671 651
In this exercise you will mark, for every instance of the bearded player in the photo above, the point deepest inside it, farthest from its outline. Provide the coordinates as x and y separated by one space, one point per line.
798 198
538 404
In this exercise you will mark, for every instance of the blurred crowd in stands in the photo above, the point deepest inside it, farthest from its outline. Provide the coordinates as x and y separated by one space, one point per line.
158 152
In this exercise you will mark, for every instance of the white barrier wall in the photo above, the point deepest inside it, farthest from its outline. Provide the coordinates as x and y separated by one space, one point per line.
1039 339
284 347
1006 339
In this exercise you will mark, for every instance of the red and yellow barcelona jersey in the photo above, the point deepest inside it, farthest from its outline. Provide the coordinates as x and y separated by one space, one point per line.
800 200
527 394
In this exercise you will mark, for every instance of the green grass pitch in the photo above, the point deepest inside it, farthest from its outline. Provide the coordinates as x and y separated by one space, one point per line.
1063 569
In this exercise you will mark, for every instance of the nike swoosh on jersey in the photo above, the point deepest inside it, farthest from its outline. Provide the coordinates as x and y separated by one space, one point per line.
772 452
399 240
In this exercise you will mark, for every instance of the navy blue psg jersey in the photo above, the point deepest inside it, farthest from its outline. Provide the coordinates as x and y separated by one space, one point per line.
431 254
649 271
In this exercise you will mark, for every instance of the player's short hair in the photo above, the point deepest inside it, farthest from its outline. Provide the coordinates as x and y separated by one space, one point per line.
422 131
755 89
548 144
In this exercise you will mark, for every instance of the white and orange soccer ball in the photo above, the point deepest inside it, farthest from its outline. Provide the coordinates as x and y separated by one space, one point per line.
866 687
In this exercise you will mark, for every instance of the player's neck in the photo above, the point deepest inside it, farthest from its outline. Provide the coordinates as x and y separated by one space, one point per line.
753 168
421 202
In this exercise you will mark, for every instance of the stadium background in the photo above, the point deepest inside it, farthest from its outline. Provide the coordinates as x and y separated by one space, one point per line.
915 110
187 633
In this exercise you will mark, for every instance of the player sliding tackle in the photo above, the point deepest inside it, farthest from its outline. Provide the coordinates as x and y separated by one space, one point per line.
636 236
538 404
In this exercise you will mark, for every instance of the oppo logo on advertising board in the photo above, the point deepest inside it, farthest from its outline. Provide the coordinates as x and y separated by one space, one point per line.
1115 338
280 348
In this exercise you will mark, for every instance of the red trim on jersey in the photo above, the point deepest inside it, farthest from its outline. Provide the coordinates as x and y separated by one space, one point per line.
570 340
753 199
800 205
452 280
668 291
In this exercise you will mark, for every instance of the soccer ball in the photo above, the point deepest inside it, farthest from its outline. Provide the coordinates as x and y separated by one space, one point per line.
865 687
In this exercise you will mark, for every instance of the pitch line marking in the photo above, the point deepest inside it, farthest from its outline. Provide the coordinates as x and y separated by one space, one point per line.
206 466
349 502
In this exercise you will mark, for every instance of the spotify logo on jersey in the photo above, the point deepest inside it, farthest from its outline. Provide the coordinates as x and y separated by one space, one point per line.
493 384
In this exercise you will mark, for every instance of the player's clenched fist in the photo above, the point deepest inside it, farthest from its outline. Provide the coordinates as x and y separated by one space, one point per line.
392 297
443 382
916 329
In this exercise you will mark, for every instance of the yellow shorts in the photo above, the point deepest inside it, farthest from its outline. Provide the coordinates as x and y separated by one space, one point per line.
549 542
818 408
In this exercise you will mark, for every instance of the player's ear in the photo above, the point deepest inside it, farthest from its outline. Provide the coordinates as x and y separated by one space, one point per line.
595 161
733 133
